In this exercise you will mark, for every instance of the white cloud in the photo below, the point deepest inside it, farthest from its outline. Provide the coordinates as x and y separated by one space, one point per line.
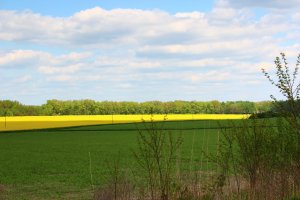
209 49
60 70
23 79
62 78
29 58
214 76
130 28
131 48
21 57
280 4
73 57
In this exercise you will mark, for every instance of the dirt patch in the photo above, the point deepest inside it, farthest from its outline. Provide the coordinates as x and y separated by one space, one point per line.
3 190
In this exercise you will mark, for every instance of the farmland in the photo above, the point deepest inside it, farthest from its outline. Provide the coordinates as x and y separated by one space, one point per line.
54 163
42 122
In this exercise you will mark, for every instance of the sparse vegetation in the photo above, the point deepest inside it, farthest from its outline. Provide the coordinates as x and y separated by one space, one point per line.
263 158
156 155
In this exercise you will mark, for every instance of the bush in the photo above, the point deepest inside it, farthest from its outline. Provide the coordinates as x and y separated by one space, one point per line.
156 155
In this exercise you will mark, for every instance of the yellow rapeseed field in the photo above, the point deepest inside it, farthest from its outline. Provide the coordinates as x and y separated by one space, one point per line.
42 122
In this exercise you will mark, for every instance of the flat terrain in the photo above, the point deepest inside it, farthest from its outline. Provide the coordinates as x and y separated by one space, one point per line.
54 163
14 123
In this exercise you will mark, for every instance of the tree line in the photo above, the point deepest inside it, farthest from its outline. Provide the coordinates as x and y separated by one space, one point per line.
91 107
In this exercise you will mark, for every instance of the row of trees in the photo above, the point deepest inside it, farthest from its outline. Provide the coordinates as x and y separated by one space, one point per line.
91 107
15 108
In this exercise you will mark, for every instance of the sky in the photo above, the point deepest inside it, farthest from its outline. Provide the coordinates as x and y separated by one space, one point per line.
146 50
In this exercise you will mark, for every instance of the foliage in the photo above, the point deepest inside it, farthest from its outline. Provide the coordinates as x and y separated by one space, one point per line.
247 152
14 108
264 154
156 155
118 185
287 85
90 107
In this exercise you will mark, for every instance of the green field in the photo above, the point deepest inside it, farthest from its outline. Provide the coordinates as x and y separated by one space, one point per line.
54 164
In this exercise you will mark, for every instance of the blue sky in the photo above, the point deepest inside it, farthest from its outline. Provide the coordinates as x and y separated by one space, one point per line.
68 7
143 50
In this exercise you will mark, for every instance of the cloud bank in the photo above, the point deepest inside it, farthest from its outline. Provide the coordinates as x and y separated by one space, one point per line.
131 54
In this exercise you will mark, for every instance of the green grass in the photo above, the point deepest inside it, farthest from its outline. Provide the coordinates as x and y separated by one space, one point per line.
54 164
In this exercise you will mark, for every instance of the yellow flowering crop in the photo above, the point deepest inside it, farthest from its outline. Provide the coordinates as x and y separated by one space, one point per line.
41 122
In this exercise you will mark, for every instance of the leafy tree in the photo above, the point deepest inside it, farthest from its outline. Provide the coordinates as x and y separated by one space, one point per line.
289 87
